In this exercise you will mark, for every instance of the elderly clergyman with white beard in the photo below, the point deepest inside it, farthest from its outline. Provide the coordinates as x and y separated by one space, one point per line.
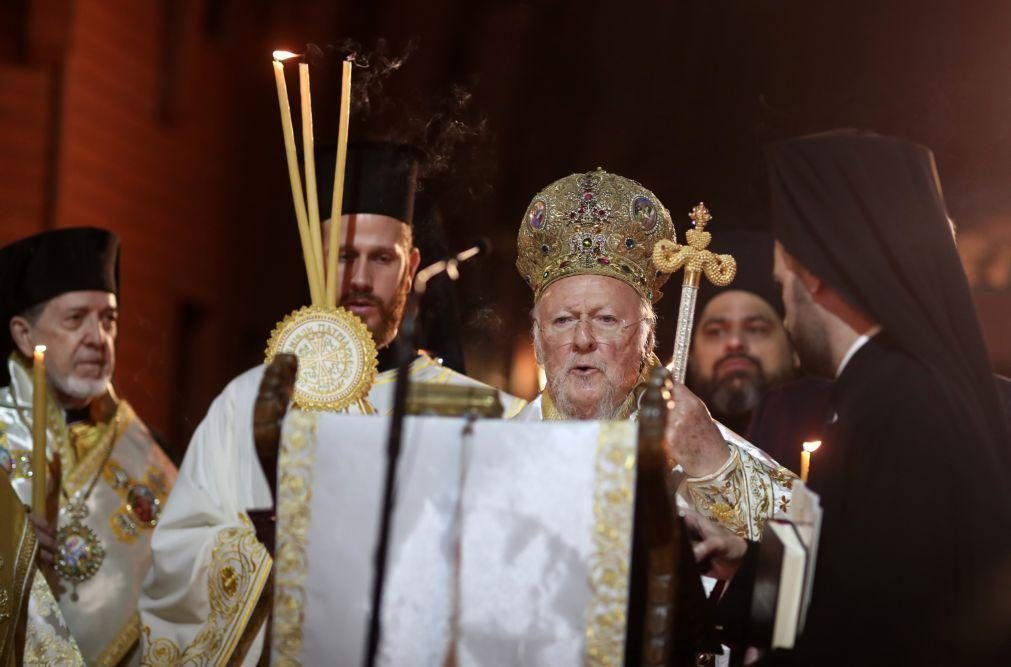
60 289
585 248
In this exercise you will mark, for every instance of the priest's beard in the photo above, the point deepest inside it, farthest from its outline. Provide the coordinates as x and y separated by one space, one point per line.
78 389
809 334
390 313
733 397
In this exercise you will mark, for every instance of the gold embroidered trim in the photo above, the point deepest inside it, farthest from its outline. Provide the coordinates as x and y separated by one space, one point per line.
125 640
239 569
743 493
91 465
613 495
18 584
294 496
421 363
128 520
48 640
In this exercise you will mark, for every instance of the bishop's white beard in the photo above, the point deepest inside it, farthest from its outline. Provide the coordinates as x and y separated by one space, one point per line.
609 403
81 389
606 407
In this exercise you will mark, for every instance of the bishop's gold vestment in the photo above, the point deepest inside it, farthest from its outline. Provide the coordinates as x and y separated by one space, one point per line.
114 474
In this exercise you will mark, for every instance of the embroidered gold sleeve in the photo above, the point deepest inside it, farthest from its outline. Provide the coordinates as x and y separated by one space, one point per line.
236 577
743 493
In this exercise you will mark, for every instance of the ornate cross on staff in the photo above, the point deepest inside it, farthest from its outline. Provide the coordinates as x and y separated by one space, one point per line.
696 259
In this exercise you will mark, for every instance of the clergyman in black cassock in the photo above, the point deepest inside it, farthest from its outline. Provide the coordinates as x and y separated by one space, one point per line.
914 468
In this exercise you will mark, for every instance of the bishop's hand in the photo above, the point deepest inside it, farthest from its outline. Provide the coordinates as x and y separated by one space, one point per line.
691 438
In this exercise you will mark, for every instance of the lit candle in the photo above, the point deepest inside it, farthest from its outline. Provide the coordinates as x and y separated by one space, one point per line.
39 460
805 458
338 185
309 153
315 289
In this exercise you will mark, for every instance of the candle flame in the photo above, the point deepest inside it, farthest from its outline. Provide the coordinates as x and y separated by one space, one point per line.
812 445
40 349
283 55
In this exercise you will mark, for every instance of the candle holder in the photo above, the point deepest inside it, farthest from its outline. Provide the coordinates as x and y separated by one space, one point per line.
336 353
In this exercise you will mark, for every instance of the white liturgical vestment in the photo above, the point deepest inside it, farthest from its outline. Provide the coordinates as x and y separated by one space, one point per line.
114 470
208 568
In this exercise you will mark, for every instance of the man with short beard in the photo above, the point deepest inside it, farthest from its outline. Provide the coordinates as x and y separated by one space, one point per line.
61 290
740 348
585 248
221 479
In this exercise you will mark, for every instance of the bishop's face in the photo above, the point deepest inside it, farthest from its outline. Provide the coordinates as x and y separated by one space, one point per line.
377 265
79 331
591 338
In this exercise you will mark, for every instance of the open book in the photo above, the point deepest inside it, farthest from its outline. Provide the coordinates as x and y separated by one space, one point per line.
785 572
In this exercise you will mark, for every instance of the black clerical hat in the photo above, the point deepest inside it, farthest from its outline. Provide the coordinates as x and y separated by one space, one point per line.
380 177
752 249
41 267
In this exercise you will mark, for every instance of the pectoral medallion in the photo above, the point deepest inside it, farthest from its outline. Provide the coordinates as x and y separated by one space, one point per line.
79 551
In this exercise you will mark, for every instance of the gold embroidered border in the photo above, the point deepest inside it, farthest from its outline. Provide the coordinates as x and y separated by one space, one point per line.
126 526
87 468
613 502
745 492
294 496
124 640
48 640
17 585
239 569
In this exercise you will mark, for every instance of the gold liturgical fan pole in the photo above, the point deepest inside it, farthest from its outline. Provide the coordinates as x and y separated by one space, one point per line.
696 260
336 353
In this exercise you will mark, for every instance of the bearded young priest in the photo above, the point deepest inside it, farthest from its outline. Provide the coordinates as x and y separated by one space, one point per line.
913 473
209 570
585 248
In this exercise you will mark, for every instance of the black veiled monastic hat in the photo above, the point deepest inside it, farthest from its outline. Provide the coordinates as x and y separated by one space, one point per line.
379 177
44 266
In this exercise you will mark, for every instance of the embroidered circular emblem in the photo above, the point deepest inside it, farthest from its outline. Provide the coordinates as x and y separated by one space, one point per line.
536 214
79 554
6 460
644 212
336 356
143 504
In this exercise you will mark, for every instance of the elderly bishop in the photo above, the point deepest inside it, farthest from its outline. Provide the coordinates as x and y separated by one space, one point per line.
585 248
60 290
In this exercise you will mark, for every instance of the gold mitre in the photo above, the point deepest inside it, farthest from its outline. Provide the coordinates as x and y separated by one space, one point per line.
596 223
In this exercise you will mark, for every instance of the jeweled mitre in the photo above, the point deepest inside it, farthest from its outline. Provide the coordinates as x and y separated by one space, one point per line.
597 223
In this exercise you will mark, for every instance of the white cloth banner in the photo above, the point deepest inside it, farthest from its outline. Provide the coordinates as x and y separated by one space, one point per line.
510 542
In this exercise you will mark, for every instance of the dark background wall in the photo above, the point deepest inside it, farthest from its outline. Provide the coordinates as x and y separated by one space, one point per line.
158 119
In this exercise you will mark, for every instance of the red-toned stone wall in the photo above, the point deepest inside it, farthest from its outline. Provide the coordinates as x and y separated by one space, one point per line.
141 131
